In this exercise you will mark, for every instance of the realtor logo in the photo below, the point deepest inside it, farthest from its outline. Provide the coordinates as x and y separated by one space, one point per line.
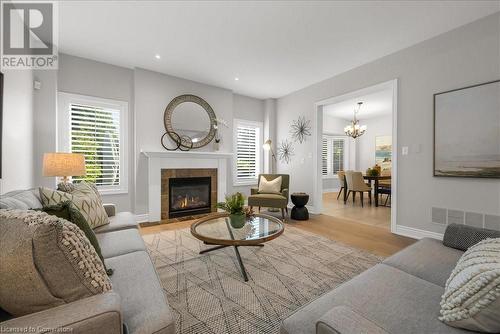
29 35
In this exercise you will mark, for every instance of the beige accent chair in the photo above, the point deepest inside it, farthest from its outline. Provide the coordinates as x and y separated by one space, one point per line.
279 201
341 176
356 183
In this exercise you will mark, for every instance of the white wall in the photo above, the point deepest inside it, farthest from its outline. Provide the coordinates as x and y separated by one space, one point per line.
365 153
459 58
335 126
17 137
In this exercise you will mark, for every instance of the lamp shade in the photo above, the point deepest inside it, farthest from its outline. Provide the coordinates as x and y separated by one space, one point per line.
267 145
63 164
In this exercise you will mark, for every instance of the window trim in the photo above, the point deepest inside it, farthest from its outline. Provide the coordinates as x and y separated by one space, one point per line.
346 153
63 138
260 155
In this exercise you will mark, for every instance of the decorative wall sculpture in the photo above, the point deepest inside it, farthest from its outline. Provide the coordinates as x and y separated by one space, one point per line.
300 129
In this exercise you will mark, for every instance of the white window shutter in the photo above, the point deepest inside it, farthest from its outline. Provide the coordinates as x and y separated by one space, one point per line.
95 133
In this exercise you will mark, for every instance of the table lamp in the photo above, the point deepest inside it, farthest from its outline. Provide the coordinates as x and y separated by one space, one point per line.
63 165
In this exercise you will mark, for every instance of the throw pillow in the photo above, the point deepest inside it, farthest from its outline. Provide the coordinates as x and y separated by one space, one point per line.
46 262
68 187
472 293
65 210
83 198
270 187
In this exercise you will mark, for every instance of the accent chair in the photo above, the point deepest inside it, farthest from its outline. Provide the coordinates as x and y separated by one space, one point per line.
273 200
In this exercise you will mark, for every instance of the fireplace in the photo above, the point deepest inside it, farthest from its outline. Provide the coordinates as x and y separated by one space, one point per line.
189 196
187 193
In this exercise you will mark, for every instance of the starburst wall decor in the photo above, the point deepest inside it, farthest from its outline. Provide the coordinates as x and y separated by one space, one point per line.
285 151
300 129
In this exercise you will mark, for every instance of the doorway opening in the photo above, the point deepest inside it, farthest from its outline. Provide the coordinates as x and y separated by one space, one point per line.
356 156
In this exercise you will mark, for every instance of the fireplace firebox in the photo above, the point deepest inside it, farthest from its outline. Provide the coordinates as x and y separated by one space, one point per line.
189 196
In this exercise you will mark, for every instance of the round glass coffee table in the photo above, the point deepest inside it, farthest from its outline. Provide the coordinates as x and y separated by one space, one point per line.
218 229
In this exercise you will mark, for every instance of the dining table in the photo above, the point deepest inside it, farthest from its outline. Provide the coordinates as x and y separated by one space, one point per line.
370 179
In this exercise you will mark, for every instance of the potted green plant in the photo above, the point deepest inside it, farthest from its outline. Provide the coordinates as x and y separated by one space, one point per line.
235 206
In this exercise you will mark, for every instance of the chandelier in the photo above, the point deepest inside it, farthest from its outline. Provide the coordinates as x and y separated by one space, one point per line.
355 130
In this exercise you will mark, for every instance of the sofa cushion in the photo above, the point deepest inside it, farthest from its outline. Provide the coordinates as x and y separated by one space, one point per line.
342 319
120 242
427 259
120 221
21 199
267 200
390 298
84 199
45 261
144 307
472 293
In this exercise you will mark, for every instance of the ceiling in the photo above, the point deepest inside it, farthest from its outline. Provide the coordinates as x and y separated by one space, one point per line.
273 47
376 104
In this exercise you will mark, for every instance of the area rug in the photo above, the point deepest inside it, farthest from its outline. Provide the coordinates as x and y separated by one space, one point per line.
207 292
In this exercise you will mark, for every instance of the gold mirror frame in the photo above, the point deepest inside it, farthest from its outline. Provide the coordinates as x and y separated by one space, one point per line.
194 99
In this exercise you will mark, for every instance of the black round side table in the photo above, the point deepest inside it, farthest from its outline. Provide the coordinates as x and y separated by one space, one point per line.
299 211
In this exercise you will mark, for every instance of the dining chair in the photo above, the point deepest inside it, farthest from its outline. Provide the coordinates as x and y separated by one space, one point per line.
356 183
341 176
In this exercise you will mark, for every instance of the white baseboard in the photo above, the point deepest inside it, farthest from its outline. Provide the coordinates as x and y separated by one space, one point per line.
144 218
331 190
416 233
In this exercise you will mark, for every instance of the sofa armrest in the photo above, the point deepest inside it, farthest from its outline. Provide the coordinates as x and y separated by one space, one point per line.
462 237
254 191
284 193
97 314
110 209
344 320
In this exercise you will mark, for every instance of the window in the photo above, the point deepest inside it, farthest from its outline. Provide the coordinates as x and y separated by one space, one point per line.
333 155
248 148
96 128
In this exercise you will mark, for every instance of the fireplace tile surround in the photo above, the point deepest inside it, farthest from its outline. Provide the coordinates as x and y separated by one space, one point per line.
176 160
189 173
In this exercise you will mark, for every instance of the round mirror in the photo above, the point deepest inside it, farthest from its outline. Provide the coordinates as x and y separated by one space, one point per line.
192 119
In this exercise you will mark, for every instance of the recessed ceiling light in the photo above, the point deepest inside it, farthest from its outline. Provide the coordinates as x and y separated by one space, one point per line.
157 56
236 79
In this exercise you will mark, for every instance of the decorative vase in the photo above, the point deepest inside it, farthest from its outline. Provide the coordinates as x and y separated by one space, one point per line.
237 220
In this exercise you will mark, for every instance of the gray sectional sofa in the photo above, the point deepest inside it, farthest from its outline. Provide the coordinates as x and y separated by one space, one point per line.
136 304
399 295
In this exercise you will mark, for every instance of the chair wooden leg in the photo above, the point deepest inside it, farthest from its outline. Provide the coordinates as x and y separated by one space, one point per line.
347 197
340 192
353 196
370 196
283 213
286 209
361 194
259 208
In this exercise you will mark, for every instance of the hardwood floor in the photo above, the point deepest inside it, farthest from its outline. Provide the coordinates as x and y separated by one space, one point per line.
369 214
370 238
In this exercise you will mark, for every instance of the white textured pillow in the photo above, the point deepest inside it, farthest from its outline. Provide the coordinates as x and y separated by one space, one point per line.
472 292
270 187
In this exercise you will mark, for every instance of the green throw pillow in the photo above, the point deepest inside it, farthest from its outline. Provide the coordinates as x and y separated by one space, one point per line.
66 211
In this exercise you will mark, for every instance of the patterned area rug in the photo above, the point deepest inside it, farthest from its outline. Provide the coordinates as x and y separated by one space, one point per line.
208 294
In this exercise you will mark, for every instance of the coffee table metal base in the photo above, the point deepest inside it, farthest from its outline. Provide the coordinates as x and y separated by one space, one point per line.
238 256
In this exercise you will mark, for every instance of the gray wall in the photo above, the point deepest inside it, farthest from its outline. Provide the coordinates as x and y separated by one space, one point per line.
461 57
17 136
147 94
87 77
365 148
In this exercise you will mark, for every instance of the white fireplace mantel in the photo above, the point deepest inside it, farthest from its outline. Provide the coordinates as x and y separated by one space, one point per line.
176 160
